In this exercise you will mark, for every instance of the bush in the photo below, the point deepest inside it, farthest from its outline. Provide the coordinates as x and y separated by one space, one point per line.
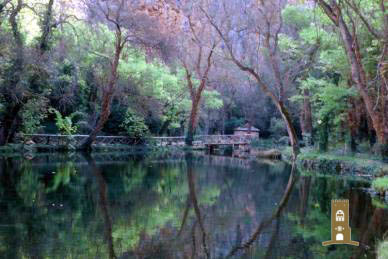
380 184
64 124
34 111
134 125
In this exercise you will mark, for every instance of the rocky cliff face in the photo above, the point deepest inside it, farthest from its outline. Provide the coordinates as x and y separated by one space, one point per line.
166 12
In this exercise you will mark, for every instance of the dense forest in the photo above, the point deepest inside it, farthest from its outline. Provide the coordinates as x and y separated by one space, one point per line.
315 71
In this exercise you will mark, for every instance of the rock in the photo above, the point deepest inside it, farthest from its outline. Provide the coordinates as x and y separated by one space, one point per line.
271 154
30 142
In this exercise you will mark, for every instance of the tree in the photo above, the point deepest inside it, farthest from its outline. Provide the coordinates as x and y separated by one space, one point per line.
375 99
25 78
12 88
248 31
196 55
129 26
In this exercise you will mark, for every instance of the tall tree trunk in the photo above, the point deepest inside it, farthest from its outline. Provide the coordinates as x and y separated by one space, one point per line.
46 28
324 134
353 126
108 93
196 94
290 128
193 121
307 129
359 77
104 115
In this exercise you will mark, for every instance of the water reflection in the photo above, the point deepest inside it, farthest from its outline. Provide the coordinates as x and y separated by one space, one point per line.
190 206
274 217
103 204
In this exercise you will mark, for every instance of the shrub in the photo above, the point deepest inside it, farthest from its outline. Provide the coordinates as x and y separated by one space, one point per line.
64 124
134 125
380 184
34 111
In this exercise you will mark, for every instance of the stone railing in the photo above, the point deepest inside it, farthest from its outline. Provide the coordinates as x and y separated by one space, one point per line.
53 139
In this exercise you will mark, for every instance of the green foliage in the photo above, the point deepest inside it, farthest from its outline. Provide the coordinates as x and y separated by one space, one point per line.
380 184
277 128
33 113
296 16
156 80
64 124
233 123
134 125
329 98
329 103
379 203
212 99
291 46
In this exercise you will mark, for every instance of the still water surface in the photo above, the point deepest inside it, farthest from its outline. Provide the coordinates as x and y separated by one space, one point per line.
187 206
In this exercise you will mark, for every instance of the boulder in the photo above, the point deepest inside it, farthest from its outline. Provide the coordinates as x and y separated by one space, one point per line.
30 142
271 154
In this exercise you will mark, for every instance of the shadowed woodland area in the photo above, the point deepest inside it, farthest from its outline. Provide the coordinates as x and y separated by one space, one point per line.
315 71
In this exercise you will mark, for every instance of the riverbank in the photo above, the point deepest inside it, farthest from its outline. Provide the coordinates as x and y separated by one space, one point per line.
357 165
308 159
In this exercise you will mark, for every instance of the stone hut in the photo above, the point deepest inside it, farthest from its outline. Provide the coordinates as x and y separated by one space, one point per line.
247 130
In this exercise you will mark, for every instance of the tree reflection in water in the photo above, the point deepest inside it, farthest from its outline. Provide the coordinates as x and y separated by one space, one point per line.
103 204
275 216
195 207
194 203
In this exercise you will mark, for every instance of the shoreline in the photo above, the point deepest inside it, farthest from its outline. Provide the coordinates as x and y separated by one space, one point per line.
338 164
308 159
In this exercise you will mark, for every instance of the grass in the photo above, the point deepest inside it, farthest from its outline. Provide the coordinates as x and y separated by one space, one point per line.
308 153
380 184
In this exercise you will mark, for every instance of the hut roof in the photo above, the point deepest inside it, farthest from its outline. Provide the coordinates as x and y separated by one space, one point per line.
247 127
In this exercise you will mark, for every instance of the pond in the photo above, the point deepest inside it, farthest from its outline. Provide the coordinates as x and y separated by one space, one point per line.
177 206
